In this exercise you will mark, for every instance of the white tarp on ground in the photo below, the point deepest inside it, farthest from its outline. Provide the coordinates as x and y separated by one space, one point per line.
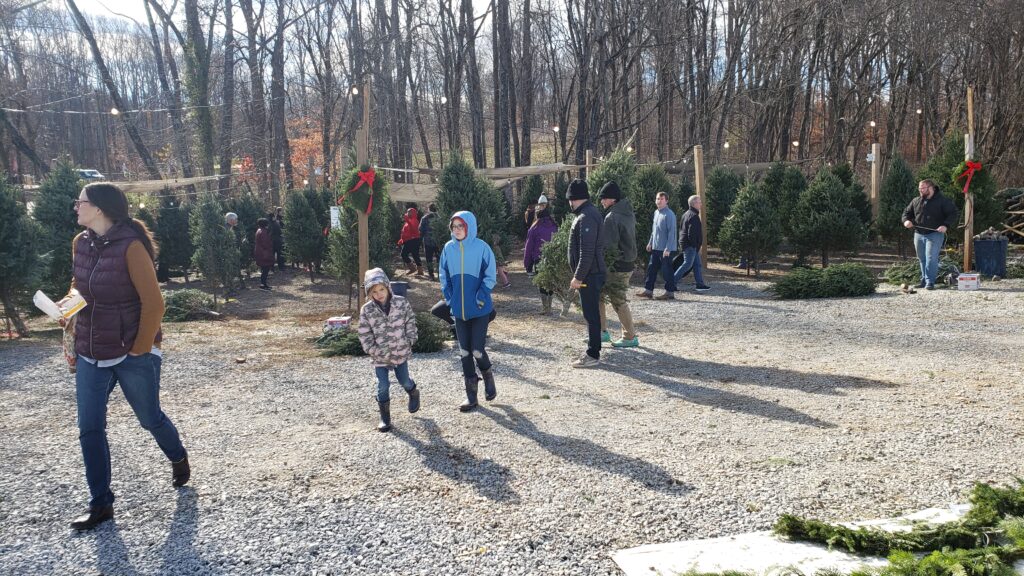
763 553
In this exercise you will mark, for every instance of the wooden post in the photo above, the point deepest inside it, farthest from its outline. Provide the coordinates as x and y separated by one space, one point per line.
362 157
589 160
969 200
851 155
698 179
876 179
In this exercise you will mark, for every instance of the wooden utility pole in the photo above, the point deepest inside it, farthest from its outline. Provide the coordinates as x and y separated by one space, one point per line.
969 199
698 178
876 179
362 157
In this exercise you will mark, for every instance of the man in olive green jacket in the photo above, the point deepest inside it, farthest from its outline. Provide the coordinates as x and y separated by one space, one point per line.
620 235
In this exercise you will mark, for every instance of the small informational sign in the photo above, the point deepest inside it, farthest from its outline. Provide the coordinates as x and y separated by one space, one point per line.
871 158
335 217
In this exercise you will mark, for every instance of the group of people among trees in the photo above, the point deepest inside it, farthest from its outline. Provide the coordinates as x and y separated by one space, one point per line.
118 342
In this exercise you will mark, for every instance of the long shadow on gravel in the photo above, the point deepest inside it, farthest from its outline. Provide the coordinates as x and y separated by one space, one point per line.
656 362
111 553
179 553
713 397
587 453
487 477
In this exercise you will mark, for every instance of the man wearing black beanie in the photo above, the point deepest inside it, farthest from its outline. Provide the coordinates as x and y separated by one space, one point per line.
620 234
586 260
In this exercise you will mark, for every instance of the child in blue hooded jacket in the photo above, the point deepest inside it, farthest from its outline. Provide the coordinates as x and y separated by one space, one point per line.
466 270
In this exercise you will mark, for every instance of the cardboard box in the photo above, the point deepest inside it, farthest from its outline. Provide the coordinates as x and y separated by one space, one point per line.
337 323
968 282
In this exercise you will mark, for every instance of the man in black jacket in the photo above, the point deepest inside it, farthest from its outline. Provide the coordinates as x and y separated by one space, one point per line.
930 215
586 260
691 237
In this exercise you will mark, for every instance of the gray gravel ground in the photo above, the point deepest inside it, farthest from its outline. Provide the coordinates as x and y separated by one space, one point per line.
736 408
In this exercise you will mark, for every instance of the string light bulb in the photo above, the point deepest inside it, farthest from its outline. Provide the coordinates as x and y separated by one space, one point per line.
726 145
115 111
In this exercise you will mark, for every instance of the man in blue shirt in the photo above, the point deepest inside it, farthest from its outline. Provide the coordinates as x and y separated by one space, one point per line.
662 246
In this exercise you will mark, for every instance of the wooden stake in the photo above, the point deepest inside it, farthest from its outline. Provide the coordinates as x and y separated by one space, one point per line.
969 200
851 155
876 178
589 160
698 179
362 157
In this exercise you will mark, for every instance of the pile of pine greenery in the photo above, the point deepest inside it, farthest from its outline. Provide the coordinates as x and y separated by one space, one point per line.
838 281
187 305
432 336
985 542
909 271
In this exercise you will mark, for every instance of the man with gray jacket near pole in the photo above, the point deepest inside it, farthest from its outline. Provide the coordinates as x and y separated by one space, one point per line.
619 234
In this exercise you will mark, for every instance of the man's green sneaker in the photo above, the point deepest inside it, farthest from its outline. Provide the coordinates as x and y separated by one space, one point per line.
605 337
623 343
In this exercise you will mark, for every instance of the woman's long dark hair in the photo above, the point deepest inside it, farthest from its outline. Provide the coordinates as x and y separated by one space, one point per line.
114 204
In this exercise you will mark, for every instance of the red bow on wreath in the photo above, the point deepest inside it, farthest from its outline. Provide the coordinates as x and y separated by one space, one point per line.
972 167
367 177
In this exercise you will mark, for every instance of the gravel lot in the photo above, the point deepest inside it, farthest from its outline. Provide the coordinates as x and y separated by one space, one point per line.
736 408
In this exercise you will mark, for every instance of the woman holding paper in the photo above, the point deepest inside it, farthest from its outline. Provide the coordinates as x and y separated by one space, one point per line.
117 338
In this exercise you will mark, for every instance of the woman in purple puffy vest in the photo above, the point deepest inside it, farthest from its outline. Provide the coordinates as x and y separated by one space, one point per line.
117 339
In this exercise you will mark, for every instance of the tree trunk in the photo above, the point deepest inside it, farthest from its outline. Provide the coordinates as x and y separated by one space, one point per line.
11 311
476 100
282 151
227 111
21 145
526 95
258 123
127 118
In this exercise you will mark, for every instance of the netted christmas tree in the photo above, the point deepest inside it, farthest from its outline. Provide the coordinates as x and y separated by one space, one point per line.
752 230
55 211
723 185
825 220
175 238
21 263
620 166
898 189
783 185
216 254
303 236
461 189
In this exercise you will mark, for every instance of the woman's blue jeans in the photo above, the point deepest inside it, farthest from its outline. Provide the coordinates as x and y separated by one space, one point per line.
139 377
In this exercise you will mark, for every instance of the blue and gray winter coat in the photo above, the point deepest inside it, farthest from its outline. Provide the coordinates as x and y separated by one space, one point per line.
467 272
